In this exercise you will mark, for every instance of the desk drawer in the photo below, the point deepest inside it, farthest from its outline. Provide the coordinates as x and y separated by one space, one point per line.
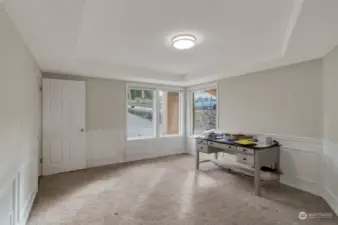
202 148
201 141
221 146
245 159
245 151
206 149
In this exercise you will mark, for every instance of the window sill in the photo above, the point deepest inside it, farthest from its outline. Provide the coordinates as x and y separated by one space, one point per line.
153 138
195 135
170 135
140 138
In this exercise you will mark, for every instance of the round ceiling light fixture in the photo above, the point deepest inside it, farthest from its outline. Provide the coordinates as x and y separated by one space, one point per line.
183 42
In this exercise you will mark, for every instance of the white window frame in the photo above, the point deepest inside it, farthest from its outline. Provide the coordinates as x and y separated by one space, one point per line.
180 112
154 117
190 102
156 107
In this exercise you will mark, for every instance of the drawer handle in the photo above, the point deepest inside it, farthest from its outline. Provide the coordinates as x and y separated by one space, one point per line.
244 158
244 150
229 146
210 143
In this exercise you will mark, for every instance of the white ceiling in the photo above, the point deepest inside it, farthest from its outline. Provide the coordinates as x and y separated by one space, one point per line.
128 39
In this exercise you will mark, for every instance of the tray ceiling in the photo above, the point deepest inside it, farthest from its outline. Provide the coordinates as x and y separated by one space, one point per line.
130 40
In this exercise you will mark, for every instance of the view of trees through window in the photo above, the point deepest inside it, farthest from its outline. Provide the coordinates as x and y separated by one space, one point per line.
204 110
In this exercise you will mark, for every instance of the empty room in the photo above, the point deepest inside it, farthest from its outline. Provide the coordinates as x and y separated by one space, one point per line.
190 112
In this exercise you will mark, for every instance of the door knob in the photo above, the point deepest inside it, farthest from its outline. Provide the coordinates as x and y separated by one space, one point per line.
82 130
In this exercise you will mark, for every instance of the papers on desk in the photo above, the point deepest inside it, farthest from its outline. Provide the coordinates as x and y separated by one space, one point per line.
213 134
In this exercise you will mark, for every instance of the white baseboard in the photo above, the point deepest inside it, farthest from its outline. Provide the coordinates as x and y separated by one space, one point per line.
102 162
153 148
330 174
300 160
24 218
331 199
301 184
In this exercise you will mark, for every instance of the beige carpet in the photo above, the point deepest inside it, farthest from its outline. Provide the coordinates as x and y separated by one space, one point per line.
168 191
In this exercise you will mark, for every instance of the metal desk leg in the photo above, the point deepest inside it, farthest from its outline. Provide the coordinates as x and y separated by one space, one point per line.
257 174
278 165
197 159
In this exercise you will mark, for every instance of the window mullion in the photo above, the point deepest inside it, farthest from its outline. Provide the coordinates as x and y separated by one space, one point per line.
156 114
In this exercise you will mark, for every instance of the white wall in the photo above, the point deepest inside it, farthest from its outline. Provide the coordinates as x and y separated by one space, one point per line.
297 106
105 121
106 124
283 101
330 129
19 125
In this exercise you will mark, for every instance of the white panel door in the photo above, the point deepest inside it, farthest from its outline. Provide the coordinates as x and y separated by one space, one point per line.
63 126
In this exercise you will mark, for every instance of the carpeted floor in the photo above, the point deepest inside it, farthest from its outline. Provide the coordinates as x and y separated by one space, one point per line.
168 191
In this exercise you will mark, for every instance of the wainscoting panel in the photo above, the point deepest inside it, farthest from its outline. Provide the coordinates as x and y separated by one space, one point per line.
7 206
17 193
300 163
110 146
152 148
27 183
330 174
191 145
300 160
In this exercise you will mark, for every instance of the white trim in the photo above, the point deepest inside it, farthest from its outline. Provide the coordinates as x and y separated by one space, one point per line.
28 208
217 105
181 113
317 154
156 109
191 102
155 86
203 86
156 112
301 152
140 138
170 136
140 87
300 184
189 113
329 162
331 199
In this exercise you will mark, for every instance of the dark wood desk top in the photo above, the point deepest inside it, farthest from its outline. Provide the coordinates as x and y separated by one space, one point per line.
254 147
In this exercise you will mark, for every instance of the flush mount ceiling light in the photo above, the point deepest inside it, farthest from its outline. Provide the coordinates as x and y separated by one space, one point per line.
183 42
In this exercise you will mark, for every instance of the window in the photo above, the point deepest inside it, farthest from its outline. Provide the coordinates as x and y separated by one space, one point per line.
169 118
153 112
204 110
140 112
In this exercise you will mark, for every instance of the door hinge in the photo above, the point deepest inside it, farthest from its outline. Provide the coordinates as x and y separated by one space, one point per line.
41 160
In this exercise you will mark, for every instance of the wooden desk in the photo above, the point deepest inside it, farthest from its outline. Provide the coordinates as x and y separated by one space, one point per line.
254 157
